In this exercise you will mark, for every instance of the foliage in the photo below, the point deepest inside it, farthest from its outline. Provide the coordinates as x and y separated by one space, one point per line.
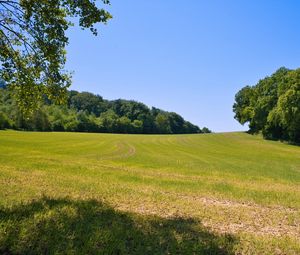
2 83
32 45
272 106
86 112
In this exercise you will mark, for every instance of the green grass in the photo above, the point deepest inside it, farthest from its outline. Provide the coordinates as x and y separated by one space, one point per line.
80 193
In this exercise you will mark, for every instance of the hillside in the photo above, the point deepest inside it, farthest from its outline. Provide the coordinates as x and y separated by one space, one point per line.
152 194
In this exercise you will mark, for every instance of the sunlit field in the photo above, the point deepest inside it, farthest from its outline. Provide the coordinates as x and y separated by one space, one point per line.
81 193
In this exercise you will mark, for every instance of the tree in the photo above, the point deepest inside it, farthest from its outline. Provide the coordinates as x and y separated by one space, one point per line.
2 84
86 101
272 106
137 126
288 107
109 121
32 45
124 125
176 123
243 105
162 123
4 121
205 130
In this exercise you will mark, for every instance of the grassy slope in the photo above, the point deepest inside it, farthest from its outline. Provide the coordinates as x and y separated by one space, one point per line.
217 193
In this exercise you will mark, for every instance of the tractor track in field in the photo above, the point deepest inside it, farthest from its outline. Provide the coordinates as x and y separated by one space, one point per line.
119 152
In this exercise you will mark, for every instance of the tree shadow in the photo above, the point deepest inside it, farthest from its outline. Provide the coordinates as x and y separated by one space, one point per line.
63 226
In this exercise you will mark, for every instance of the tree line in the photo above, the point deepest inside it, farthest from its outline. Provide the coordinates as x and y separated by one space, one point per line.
272 106
86 112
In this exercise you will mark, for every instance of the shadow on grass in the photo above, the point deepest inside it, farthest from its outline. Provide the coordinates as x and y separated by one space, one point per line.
51 226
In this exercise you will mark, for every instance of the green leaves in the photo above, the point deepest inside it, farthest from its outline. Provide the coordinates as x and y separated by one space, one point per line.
32 45
86 112
272 106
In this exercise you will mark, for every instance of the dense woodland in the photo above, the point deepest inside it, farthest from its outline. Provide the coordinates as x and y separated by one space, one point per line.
86 112
272 106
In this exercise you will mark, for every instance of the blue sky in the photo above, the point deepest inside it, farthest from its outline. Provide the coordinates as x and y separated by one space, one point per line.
190 57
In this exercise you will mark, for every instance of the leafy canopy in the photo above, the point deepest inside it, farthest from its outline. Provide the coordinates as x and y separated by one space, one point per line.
272 106
32 45
86 112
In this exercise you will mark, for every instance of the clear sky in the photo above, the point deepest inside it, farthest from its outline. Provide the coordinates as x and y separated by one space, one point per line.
190 57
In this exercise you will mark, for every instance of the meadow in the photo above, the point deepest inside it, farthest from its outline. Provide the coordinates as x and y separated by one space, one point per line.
82 193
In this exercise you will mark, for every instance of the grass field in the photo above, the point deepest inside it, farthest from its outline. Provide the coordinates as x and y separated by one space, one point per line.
79 193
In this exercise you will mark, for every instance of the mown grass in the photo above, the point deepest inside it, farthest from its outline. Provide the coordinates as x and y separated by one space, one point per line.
156 194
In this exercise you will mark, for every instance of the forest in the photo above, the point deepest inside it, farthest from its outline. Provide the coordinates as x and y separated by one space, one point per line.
272 106
87 112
